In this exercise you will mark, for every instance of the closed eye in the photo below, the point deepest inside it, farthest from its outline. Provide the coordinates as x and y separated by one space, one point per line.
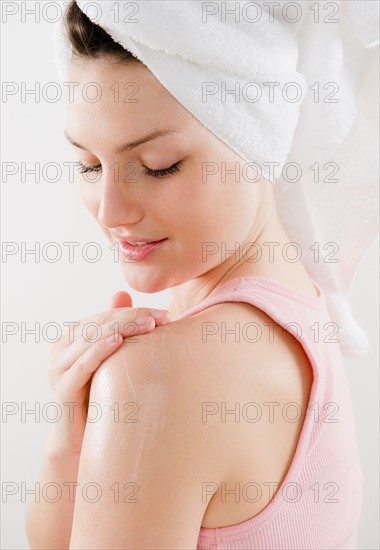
164 172
84 169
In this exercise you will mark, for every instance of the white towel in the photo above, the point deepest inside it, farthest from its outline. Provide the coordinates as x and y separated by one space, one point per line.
307 56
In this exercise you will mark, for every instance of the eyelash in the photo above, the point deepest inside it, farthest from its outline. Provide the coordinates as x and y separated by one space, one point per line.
84 169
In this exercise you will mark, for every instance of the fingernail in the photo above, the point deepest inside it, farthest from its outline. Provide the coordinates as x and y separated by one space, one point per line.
113 339
142 321
160 313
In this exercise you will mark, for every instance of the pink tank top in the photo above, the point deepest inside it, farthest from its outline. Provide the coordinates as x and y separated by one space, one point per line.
318 504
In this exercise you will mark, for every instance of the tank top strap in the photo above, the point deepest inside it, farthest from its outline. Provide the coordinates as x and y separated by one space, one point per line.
266 294
305 317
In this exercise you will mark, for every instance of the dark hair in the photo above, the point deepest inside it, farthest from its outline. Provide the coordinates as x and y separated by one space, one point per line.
90 40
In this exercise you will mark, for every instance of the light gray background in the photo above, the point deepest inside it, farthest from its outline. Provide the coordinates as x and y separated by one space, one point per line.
57 292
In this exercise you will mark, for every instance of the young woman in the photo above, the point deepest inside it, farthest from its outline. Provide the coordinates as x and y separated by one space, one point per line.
232 425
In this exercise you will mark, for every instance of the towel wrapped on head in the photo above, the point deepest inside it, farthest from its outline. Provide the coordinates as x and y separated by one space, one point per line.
292 88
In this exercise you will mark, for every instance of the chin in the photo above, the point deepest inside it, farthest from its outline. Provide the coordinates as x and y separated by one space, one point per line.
144 283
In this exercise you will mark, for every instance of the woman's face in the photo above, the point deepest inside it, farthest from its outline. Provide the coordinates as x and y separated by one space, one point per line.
201 212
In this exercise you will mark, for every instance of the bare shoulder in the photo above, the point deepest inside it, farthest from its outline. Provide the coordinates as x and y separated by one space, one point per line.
230 351
211 345
215 387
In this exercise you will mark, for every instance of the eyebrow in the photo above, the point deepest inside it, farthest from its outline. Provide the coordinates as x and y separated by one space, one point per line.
132 144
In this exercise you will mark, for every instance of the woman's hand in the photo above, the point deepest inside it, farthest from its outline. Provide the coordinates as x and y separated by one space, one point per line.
78 354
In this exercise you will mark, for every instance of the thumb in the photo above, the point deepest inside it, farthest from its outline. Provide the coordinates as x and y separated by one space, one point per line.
121 299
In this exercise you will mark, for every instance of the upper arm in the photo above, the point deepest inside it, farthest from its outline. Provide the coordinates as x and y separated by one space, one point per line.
147 460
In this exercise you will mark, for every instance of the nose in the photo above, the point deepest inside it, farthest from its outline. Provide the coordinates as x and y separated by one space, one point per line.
119 203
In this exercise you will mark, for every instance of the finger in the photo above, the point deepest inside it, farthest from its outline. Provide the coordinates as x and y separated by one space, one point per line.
121 299
74 379
119 315
66 357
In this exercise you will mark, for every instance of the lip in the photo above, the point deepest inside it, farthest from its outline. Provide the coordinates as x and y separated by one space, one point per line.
138 253
132 238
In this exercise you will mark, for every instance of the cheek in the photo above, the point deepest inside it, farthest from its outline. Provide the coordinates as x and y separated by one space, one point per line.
215 208
217 223
200 216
